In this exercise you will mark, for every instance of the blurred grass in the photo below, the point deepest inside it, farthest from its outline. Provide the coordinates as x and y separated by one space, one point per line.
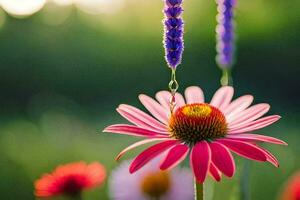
60 84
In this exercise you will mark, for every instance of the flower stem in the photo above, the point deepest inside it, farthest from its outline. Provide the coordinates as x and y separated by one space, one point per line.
226 78
76 197
244 181
199 191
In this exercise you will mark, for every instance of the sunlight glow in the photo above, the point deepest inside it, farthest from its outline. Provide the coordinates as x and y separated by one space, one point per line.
22 7
63 2
54 14
99 6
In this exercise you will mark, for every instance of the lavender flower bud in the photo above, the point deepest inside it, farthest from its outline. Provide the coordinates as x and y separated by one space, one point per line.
173 36
225 33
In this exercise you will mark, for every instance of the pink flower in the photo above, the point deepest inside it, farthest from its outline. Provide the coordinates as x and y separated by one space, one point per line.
210 131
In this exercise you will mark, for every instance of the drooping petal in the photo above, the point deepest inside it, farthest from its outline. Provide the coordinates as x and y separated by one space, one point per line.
133 130
139 143
174 156
254 125
164 97
257 138
150 153
244 149
157 110
222 158
222 97
140 118
270 157
194 94
214 172
250 114
200 159
238 105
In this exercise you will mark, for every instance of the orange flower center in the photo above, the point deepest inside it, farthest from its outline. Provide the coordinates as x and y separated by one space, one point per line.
195 122
156 184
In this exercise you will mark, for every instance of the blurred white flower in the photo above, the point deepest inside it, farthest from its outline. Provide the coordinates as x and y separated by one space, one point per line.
151 183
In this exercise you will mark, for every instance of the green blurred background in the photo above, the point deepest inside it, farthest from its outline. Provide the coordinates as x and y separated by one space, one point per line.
63 71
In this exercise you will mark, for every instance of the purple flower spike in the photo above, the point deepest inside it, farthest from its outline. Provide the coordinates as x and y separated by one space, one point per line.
225 33
173 36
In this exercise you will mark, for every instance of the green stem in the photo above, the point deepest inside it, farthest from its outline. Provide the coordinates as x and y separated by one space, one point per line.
226 78
244 182
76 197
199 191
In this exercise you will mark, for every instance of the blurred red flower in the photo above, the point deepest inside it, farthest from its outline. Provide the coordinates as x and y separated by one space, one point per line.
70 179
291 190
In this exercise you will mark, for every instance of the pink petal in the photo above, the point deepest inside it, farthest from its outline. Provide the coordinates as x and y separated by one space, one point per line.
174 156
250 114
256 137
133 130
244 149
238 105
164 97
214 172
270 157
139 143
200 159
222 97
254 125
140 118
194 94
150 153
179 100
222 158
157 110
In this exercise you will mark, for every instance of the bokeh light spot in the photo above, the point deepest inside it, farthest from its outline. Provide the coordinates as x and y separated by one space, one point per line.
22 8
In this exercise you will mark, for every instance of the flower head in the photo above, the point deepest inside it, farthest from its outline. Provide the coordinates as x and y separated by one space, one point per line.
70 179
292 189
195 118
209 130
173 36
225 33
151 183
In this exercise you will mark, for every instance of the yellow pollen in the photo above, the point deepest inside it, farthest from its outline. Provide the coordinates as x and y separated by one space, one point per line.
196 122
156 184
197 110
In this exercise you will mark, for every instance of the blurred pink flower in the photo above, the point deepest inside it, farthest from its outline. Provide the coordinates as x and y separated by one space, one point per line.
151 183
208 130
291 190
70 179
